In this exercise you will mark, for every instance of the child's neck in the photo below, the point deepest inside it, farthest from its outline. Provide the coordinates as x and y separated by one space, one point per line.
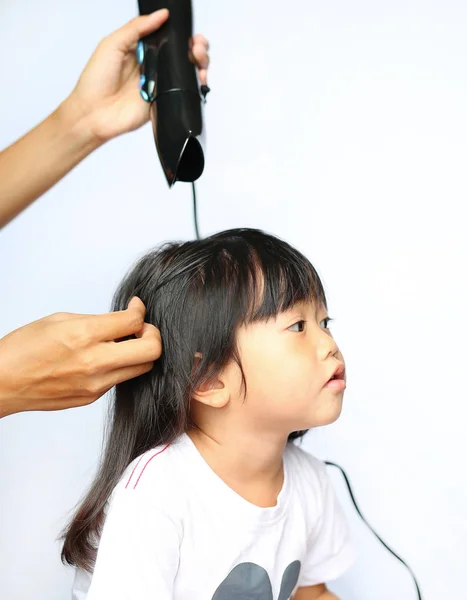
251 465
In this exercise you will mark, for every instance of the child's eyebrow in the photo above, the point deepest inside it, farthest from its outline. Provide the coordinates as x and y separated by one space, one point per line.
304 306
300 307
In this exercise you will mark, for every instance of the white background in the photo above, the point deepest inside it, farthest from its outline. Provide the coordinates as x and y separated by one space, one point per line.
340 126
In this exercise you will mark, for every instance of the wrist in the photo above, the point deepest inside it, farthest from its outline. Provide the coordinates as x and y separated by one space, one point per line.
8 406
77 121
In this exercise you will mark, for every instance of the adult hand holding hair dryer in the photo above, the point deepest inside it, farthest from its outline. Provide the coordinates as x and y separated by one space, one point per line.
169 83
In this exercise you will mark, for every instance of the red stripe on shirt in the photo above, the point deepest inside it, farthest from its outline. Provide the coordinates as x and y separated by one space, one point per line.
134 469
153 456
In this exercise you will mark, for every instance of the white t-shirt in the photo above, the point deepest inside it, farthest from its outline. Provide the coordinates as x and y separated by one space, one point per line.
175 531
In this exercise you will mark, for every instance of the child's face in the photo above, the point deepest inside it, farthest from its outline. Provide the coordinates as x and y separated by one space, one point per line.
287 363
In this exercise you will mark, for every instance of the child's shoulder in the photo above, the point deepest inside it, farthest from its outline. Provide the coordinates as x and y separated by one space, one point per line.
156 475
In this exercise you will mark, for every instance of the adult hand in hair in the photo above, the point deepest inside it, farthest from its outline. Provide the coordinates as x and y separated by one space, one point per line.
104 104
68 360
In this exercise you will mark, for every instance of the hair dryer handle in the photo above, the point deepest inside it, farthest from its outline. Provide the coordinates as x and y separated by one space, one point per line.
170 84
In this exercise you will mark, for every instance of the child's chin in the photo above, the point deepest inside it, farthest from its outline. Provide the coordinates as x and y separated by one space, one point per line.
329 415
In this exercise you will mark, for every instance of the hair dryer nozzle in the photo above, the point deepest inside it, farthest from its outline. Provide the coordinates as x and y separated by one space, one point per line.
169 83
177 126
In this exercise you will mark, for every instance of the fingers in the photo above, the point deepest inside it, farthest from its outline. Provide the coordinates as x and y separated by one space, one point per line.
124 374
114 362
119 324
101 387
198 53
151 334
147 348
203 76
111 356
200 39
127 37
151 337
136 304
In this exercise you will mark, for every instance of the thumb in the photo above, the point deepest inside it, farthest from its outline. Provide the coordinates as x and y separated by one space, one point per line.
127 37
137 304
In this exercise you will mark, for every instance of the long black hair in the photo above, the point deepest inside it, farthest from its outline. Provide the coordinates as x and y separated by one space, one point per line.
197 293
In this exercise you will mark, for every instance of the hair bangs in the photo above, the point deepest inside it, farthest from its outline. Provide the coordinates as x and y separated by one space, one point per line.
262 279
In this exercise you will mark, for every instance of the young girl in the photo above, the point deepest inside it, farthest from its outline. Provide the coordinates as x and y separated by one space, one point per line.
201 493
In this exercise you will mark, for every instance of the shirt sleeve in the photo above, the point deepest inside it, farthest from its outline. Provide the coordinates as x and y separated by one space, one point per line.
330 551
138 554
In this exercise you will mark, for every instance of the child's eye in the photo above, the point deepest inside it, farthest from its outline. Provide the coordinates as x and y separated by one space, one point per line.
325 322
298 327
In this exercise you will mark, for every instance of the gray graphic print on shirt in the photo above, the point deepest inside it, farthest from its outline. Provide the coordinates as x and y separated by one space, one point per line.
248 581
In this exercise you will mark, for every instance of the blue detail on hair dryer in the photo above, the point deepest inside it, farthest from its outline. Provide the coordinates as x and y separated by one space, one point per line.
140 52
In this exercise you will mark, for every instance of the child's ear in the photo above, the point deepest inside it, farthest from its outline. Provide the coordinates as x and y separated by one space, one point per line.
212 393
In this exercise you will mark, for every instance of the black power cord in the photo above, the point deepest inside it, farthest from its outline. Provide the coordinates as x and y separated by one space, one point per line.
204 90
195 212
347 482
331 464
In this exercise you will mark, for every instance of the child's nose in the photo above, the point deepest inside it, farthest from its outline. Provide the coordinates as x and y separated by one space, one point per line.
327 346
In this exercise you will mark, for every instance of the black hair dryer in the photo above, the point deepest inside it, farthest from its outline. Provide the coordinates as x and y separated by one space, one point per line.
170 84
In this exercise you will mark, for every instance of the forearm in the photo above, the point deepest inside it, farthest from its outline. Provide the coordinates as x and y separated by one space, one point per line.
327 595
314 593
33 164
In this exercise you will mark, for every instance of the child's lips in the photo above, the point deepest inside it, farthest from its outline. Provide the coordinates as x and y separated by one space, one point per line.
337 385
337 380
